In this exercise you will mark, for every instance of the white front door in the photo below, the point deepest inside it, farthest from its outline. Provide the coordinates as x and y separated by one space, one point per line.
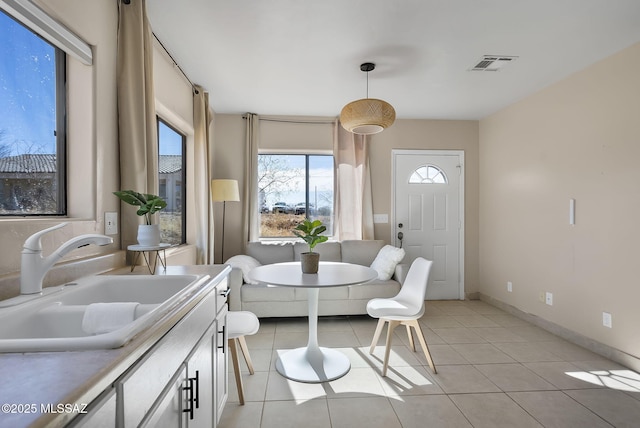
429 215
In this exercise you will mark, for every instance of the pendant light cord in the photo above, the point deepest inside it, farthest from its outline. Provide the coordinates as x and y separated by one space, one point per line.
367 85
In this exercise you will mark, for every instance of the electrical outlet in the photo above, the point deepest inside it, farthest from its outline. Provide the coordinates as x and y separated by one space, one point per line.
549 299
509 286
606 319
541 297
110 223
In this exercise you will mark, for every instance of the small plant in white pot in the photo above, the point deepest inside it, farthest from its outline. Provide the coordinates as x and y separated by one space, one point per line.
148 234
310 232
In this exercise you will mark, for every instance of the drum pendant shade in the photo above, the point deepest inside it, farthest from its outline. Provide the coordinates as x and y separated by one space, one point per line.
368 115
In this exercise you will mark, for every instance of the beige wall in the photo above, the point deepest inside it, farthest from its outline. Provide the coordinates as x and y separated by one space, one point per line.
404 134
579 138
93 166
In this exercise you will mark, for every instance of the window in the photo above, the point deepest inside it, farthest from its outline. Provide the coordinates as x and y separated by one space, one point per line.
32 123
172 170
292 187
428 174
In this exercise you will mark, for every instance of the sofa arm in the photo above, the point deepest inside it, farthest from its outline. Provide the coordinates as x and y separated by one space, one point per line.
235 283
401 272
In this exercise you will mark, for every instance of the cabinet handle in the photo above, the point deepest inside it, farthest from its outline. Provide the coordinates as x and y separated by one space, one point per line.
224 337
226 292
197 394
189 390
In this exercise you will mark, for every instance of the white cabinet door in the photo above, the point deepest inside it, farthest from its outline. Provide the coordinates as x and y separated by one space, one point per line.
101 413
171 409
200 371
221 363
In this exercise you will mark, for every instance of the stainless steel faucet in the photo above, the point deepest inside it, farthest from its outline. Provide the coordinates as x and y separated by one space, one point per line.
35 266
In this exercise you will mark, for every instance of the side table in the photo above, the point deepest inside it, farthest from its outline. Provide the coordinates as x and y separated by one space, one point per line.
151 261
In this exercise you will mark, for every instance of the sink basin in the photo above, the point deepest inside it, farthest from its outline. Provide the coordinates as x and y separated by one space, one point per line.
53 321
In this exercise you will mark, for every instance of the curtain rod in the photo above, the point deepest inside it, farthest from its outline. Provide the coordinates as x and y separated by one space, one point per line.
193 87
318 122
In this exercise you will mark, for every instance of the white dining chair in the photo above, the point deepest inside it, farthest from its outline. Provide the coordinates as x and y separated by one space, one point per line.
239 325
403 309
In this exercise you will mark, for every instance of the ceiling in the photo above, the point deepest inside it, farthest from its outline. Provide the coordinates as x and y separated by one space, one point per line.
288 57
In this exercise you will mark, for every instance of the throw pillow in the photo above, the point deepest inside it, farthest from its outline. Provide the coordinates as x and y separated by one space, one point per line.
245 264
386 260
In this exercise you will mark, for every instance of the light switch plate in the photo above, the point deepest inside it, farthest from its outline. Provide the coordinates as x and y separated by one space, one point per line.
606 320
381 218
549 299
110 223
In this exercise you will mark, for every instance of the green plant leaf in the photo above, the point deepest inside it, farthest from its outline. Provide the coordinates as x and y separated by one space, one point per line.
310 231
149 204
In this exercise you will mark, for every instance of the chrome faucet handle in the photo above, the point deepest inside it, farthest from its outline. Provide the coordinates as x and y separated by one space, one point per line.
33 244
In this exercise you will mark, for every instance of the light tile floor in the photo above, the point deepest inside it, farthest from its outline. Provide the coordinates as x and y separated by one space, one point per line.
494 370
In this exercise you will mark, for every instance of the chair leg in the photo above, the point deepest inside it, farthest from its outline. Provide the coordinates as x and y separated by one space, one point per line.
392 326
376 335
245 353
236 369
415 324
412 344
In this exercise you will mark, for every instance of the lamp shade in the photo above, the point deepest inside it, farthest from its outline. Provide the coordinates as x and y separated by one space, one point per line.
367 116
224 190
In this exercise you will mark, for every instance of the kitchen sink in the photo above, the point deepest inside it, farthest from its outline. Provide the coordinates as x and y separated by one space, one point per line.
52 321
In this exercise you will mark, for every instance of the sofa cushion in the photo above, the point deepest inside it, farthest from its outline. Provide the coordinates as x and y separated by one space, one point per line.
361 252
270 253
245 264
386 260
329 251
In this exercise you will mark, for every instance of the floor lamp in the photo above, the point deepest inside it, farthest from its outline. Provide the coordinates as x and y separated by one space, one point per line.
224 191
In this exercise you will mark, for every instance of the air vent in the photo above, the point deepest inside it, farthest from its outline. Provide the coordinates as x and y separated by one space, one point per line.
493 62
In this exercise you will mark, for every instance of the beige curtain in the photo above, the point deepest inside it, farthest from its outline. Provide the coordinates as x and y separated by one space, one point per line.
202 174
353 202
250 223
137 127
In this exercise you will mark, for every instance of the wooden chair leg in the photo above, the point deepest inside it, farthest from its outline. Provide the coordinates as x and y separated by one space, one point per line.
392 326
245 353
236 370
376 335
423 343
412 344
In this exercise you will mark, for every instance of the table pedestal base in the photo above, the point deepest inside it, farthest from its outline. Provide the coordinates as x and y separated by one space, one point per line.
313 365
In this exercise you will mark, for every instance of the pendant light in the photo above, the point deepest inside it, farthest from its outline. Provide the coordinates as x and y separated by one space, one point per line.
368 115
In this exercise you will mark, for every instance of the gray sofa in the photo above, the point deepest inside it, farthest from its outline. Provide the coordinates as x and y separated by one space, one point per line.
271 301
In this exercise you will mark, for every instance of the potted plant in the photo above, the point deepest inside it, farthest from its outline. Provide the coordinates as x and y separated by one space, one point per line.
310 232
148 234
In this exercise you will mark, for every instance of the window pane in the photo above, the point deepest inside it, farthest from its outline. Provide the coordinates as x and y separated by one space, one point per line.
171 168
31 123
321 190
292 187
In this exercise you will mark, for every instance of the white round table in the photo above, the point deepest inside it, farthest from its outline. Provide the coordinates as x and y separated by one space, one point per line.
313 363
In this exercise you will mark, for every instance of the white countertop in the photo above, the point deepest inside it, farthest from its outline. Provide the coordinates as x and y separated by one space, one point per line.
79 377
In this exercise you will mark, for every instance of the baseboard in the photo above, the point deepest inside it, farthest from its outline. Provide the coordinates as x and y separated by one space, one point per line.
606 351
472 296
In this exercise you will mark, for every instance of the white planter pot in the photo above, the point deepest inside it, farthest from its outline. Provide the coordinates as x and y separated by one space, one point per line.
149 235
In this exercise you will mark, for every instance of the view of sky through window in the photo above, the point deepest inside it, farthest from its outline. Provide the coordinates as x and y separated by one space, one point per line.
27 91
